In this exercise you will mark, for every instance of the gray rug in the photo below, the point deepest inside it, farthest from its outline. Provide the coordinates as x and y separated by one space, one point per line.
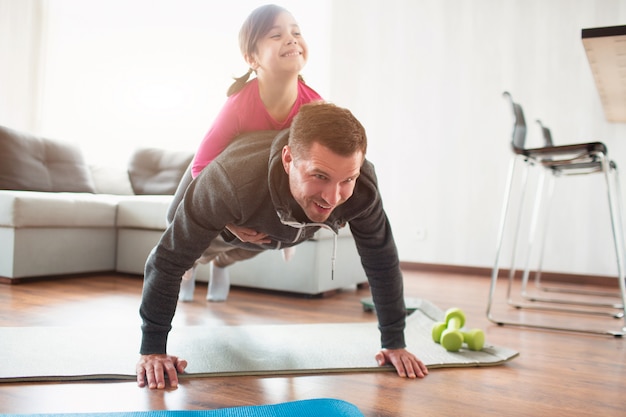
75 353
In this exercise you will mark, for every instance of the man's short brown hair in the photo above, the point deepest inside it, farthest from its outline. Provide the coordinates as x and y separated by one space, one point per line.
329 125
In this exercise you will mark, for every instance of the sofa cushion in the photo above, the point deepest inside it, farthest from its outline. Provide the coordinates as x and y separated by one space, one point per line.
32 163
143 212
20 209
110 179
157 171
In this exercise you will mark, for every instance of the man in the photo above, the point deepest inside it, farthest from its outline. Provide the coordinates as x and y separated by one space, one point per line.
285 185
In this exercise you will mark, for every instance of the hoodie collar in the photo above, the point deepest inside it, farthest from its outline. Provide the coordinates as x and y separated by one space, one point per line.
284 203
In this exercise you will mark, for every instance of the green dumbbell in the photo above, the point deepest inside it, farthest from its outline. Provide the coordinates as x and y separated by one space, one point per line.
448 333
438 328
475 339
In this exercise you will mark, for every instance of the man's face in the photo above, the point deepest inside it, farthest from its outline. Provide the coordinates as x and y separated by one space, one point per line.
321 180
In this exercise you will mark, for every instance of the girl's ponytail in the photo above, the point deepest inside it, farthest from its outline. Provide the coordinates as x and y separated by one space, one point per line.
239 83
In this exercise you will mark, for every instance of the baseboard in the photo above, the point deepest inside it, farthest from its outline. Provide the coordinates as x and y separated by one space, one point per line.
20 280
604 281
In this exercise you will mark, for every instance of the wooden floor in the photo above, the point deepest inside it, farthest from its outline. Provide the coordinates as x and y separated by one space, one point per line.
556 373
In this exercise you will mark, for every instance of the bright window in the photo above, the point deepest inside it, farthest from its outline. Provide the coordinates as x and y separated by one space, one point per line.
120 74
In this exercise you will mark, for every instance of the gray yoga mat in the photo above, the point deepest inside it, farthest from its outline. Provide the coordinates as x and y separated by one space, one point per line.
76 353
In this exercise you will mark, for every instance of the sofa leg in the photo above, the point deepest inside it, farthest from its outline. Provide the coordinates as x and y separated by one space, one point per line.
328 293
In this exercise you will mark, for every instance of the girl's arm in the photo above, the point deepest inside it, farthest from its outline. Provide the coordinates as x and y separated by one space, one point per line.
248 235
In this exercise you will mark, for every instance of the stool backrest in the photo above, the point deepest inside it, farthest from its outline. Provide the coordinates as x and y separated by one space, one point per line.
518 136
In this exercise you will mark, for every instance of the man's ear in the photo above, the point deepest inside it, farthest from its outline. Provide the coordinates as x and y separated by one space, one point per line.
287 158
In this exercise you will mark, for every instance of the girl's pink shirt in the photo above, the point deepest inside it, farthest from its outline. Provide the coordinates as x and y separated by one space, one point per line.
244 112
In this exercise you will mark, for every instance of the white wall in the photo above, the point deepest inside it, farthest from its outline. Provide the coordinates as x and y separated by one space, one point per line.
22 24
121 74
424 76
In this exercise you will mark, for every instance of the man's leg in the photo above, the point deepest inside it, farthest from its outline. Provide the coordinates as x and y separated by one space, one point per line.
222 255
219 286
188 285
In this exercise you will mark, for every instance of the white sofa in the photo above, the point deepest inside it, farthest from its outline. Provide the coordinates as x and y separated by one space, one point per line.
110 228
308 272
140 223
46 234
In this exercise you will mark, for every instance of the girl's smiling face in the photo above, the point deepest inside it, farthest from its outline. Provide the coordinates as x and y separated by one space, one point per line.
282 49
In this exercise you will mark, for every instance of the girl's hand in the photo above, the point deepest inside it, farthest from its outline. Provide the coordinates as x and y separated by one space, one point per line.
248 235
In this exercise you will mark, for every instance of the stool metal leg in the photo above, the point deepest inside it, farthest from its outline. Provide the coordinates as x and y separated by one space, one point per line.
540 216
615 208
618 236
501 229
540 286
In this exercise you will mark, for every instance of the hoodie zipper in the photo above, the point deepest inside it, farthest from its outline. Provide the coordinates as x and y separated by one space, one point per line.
302 226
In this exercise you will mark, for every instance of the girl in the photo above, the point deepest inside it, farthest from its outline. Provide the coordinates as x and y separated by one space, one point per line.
274 49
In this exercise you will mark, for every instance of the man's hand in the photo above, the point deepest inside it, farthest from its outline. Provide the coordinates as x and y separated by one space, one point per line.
406 363
153 368
248 235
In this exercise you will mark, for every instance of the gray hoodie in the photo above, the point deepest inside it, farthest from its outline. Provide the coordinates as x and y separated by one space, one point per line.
246 185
